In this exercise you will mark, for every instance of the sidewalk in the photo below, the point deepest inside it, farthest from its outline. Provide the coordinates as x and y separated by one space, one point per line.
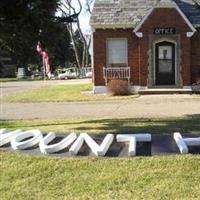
143 107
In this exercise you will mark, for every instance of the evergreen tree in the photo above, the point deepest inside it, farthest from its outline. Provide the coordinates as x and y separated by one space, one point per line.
23 23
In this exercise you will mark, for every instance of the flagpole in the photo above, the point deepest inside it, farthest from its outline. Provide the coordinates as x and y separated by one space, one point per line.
44 68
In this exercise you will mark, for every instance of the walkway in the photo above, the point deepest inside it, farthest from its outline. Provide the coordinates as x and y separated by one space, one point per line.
143 107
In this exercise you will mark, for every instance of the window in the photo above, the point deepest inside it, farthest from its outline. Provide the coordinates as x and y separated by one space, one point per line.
117 52
165 56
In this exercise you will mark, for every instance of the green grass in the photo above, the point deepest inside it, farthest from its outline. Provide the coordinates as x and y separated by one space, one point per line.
61 93
39 178
8 79
190 124
19 80
24 177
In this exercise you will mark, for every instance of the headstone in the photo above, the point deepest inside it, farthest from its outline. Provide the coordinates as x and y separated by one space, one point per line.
21 72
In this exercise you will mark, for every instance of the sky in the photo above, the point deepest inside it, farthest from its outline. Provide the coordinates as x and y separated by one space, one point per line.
84 17
84 20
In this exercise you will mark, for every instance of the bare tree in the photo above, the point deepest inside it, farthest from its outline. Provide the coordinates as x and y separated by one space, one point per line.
74 8
68 10
89 4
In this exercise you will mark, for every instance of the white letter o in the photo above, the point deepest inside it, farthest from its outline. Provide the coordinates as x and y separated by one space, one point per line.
17 143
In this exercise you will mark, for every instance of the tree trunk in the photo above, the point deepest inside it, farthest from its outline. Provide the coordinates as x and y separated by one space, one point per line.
85 47
69 27
87 55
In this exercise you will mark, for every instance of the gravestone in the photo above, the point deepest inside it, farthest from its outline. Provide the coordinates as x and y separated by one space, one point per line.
21 72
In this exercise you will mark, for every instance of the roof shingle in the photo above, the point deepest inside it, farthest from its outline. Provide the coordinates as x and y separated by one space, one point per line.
128 13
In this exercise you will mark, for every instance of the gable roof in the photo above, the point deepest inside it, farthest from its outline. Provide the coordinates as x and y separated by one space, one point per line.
166 4
129 13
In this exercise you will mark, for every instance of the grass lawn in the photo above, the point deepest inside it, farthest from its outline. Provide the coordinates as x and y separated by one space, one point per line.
115 126
62 93
27 177
39 178
8 79
17 79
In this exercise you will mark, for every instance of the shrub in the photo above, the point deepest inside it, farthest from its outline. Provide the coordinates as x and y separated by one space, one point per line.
118 87
198 80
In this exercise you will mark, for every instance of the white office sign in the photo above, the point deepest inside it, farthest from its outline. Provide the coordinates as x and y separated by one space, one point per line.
164 31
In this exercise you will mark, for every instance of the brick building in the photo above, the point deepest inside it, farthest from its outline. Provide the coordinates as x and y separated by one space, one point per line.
151 43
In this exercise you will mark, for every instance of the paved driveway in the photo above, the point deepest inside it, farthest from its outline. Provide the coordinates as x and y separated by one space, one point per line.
142 107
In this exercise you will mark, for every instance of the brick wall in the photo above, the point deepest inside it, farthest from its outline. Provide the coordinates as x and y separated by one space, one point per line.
195 56
99 43
166 17
138 48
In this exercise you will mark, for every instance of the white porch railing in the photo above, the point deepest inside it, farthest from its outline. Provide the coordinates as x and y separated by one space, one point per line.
116 72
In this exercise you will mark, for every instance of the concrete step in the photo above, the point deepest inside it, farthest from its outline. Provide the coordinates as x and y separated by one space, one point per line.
165 91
